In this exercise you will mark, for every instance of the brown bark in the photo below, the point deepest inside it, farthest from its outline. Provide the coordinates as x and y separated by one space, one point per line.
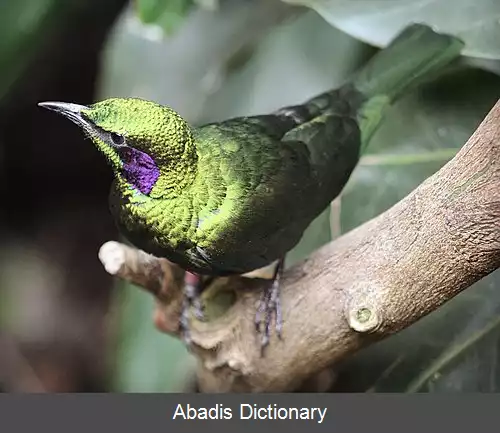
368 284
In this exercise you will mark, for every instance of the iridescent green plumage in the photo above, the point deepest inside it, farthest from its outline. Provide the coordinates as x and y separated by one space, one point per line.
235 214
234 196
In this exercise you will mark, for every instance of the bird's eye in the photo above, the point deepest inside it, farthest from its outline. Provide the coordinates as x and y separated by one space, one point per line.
117 138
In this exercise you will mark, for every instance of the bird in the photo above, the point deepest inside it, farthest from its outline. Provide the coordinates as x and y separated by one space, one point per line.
229 197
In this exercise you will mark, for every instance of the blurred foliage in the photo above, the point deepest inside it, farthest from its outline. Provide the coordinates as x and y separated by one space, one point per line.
377 21
20 26
421 132
148 360
53 293
167 14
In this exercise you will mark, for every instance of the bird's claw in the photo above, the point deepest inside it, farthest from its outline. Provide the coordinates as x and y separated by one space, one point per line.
191 300
184 322
269 305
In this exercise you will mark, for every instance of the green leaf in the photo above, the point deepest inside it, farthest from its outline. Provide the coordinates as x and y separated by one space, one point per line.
420 134
378 21
434 370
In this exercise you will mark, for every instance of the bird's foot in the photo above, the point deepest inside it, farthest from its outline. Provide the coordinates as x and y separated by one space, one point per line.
191 290
270 305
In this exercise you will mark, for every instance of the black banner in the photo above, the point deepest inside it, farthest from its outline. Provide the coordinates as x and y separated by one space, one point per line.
240 413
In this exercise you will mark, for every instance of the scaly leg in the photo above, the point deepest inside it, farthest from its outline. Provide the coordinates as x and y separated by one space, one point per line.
269 305
192 290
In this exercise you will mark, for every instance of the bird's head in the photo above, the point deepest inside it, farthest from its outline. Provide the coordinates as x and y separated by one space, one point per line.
148 145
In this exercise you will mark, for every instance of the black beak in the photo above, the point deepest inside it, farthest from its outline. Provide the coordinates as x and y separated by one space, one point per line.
71 111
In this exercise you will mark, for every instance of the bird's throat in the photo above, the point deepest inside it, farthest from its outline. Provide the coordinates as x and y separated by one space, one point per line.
139 169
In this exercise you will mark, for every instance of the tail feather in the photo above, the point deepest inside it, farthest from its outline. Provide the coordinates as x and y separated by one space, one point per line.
412 58
338 125
417 55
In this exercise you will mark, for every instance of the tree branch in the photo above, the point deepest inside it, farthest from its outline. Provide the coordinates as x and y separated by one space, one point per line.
369 283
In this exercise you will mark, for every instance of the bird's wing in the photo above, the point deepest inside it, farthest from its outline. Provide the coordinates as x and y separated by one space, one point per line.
264 183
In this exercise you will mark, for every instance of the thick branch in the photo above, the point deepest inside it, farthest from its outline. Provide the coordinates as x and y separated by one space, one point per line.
371 282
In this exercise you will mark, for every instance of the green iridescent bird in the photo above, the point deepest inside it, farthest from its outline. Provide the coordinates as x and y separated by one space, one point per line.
234 196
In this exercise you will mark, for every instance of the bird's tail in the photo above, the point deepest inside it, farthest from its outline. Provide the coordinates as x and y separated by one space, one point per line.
413 57
338 125
417 55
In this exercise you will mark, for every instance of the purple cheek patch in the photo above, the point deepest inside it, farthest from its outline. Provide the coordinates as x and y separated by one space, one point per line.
139 169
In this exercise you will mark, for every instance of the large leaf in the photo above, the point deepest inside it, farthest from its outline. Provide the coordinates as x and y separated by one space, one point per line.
421 132
377 21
